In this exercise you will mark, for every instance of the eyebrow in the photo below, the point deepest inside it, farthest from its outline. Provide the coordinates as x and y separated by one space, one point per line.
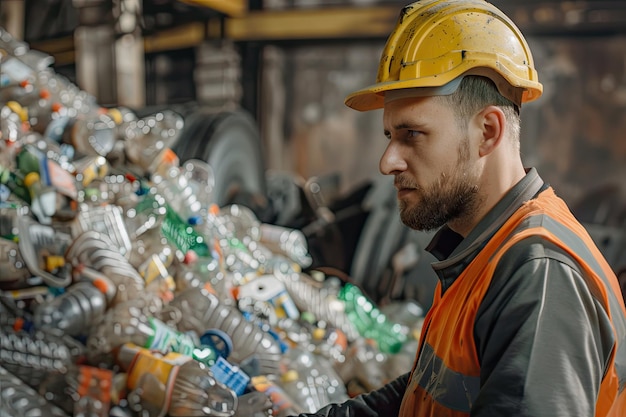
405 125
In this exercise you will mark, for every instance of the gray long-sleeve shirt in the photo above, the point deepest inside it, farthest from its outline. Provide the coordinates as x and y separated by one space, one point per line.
543 339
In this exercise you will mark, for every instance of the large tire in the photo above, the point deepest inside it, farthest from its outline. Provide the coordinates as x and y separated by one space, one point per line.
229 141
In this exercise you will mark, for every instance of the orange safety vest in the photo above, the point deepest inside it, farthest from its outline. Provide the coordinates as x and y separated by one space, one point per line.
445 379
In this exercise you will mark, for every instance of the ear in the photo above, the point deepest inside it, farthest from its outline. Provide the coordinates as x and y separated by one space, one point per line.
492 124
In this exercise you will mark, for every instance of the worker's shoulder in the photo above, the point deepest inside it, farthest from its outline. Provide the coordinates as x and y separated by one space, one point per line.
536 249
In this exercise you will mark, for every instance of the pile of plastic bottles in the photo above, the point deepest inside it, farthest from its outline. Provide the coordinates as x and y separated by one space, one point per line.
125 291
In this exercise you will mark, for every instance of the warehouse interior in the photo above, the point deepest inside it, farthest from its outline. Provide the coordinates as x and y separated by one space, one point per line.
260 85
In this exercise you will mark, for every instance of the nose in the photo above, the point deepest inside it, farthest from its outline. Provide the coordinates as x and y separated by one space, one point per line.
391 161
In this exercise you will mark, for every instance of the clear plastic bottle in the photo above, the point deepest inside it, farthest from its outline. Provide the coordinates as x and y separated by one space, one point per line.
201 179
91 134
254 404
14 77
80 390
365 367
282 404
197 309
31 355
14 272
11 124
289 242
173 384
317 298
19 400
195 271
41 112
81 306
145 214
148 139
219 229
310 380
127 323
186 189
94 250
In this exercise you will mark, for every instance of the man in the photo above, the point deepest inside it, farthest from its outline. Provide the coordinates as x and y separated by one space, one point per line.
527 318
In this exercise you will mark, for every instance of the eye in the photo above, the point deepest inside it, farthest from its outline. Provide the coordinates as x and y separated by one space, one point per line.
413 134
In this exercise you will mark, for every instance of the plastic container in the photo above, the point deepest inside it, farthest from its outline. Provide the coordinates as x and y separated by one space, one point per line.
183 236
19 400
370 321
289 242
317 298
95 251
282 404
197 310
91 134
80 390
310 380
31 355
173 384
127 323
186 189
75 311
147 140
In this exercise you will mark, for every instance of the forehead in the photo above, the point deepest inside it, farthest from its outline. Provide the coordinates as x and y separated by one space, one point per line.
415 110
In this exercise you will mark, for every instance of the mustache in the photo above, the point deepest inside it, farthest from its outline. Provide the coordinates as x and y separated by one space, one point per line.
401 182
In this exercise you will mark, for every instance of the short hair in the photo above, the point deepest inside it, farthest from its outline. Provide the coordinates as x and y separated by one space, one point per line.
477 92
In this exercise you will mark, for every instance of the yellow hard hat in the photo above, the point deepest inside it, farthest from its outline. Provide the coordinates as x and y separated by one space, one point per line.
437 41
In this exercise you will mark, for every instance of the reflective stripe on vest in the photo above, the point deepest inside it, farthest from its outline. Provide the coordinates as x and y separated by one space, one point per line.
445 377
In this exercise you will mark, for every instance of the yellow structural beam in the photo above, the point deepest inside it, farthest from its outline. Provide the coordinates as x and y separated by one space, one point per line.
228 7
179 37
327 23
268 25
62 49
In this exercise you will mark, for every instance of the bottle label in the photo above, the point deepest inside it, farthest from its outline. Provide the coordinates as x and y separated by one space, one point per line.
153 363
165 339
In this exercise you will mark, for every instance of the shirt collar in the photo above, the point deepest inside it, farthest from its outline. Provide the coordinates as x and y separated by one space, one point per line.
455 253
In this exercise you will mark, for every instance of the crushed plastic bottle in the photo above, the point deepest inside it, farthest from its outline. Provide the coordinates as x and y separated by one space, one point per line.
282 404
310 380
197 310
173 384
74 311
147 140
80 390
19 400
289 242
30 355
91 134
186 189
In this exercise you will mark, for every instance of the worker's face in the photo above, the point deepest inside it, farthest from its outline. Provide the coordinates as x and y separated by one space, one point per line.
429 155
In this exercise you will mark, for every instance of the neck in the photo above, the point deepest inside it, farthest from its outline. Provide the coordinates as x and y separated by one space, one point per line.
495 181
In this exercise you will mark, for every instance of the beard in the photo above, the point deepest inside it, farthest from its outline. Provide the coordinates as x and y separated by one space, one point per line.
453 196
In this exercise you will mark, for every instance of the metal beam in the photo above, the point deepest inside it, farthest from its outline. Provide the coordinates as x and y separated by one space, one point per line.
227 7
184 36
313 24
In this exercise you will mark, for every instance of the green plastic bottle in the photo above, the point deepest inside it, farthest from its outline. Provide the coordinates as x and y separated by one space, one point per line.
370 321
183 235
